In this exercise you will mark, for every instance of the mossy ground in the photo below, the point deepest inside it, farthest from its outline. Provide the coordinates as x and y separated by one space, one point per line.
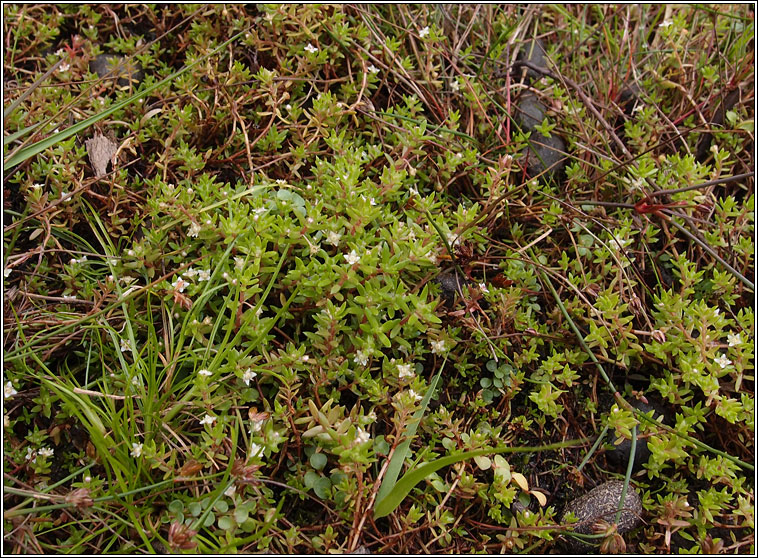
217 346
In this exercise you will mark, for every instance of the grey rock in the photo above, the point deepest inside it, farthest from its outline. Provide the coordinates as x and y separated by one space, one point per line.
451 284
544 153
628 98
534 53
601 503
530 112
127 70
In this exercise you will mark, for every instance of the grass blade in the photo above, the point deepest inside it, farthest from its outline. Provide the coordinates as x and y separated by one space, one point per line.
412 478
401 452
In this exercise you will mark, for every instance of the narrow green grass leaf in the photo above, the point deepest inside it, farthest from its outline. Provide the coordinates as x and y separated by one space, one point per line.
412 478
401 452
19 134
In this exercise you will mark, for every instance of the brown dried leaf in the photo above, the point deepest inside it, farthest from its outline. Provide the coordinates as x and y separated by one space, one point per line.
521 481
541 498
101 151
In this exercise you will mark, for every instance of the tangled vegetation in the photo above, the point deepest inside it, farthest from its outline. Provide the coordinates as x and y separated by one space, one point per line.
289 278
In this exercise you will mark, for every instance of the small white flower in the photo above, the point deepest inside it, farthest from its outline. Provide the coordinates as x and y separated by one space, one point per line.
414 395
665 23
373 69
453 239
281 181
205 373
46 452
455 86
306 358
424 32
333 238
638 107
438 347
239 262
136 449
204 275
191 272
483 288
9 391
372 416
194 229
65 196
361 357
7 271
248 375
733 339
722 361
405 371
361 436
30 454
59 52
137 380
352 258
288 107
229 492
310 48
180 284
256 449
64 67
256 426
125 346
207 419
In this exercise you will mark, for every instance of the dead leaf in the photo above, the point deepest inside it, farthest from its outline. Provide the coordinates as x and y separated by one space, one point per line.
101 151
541 498
521 481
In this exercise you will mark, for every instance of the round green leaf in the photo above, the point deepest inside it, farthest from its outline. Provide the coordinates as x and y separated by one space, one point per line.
318 461
226 523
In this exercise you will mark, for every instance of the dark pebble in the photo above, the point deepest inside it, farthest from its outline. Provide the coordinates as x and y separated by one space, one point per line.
618 457
451 284
534 53
112 65
530 112
544 154
601 503
628 98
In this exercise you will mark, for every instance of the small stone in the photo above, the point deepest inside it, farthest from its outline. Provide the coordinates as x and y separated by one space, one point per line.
544 154
530 112
628 98
451 284
114 65
534 53
601 504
